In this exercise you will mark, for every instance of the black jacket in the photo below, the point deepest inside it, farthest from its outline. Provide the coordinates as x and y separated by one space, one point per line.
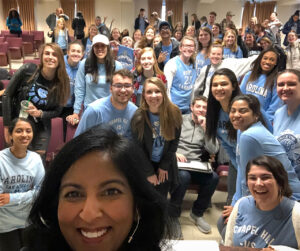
168 161
174 52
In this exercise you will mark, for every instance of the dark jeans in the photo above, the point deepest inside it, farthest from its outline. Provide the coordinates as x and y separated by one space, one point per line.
231 183
16 32
207 182
11 241
64 114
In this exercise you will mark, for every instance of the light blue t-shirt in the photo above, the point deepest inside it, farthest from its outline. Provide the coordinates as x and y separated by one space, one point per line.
72 71
258 229
183 84
86 90
102 111
167 49
287 132
257 141
62 40
88 48
21 178
228 53
158 140
268 99
201 61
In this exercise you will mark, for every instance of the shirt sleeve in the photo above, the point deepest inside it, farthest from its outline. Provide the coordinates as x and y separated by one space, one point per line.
273 105
170 71
89 119
29 196
79 90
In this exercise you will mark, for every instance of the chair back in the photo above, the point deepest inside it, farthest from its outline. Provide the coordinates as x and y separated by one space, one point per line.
28 38
3 47
57 138
4 32
70 132
2 39
36 61
14 42
1 134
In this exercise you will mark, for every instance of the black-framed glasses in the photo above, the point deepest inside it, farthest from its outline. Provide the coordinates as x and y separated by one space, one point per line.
121 86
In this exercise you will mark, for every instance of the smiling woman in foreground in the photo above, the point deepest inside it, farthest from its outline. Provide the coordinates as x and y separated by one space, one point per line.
94 198
267 216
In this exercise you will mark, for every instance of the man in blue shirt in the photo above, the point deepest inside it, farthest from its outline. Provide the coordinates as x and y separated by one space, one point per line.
167 48
115 110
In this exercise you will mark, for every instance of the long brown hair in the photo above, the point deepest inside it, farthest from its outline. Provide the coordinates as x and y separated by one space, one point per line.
156 69
60 91
144 42
169 114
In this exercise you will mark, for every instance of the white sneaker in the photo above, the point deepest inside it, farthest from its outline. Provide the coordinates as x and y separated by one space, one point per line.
202 225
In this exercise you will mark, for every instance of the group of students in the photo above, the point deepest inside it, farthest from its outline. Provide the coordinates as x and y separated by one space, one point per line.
98 166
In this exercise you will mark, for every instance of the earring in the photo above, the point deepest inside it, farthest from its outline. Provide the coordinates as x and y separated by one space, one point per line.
136 227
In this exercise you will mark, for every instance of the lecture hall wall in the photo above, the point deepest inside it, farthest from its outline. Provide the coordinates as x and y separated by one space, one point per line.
125 11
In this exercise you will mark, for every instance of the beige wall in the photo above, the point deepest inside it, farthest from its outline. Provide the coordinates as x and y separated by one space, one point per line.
125 11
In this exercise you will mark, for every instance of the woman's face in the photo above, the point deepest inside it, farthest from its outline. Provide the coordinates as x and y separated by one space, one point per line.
241 116
288 88
137 36
215 30
230 39
22 134
96 205
268 61
156 41
178 35
292 37
116 34
50 58
147 60
93 32
61 25
127 41
221 88
204 38
265 45
100 51
153 97
149 34
215 55
263 187
190 31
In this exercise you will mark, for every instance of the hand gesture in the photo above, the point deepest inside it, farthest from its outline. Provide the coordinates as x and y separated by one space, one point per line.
33 111
153 179
162 57
4 199
180 157
73 119
162 175
226 212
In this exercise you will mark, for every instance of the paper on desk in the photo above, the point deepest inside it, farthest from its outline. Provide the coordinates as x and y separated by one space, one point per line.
191 245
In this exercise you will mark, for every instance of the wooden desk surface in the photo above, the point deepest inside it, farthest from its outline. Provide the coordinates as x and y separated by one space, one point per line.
224 248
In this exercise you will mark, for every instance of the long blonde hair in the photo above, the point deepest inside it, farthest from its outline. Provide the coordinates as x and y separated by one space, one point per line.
169 114
234 47
57 29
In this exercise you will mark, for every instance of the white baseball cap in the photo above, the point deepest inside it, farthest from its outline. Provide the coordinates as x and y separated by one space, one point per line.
100 39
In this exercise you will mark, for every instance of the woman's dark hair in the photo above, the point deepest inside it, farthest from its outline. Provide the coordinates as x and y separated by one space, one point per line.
274 166
213 106
46 234
14 122
10 14
257 70
109 63
253 104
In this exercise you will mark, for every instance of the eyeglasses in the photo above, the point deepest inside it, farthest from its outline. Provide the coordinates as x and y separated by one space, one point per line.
188 46
165 28
121 86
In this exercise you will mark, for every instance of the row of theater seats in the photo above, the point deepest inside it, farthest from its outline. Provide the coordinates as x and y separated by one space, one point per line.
14 47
